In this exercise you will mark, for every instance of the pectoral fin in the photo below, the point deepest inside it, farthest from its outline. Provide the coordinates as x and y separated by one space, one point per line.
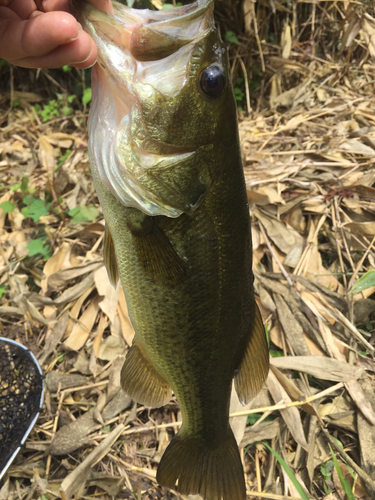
156 253
253 368
110 258
142 382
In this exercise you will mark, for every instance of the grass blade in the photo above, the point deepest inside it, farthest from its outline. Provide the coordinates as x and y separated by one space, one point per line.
289 472
367 281
344 482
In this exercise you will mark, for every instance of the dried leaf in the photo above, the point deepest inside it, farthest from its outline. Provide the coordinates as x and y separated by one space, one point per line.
83 327
291 415
67 275
110 348
74 482
292 329
320 367
105 289
286 239
127 329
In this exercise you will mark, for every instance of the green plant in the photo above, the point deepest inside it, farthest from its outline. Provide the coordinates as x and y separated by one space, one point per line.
2 290
326 472
254 417
87 96
84 214
39 247
8 206
231 37
267 335
276 354
343 481
56 107
23 186
35 208
366 281
239 94
62 159
289 472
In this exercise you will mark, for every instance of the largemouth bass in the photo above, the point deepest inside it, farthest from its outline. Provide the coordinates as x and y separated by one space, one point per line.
165 158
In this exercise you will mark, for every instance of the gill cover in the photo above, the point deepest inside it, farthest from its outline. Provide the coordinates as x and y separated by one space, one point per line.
146 61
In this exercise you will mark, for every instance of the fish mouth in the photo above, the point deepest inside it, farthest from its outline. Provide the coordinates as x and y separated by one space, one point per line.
144 56
152 35
150 43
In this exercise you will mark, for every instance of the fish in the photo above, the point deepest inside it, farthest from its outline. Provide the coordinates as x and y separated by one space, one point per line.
166 163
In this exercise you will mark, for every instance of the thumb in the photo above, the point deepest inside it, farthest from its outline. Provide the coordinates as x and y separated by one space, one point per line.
37 36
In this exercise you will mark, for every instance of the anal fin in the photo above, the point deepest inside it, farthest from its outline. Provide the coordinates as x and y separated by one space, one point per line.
110 258
253 368
142 382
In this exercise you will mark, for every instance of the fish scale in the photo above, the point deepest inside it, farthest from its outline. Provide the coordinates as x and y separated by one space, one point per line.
178 235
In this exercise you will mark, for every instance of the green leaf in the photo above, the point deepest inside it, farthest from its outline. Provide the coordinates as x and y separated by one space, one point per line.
87 96
238 94
231 37
66 68
326 469
8 206
62 160
37 247
67 110
288 471
84 214
344 482
276 354
24 184
367 281
35 208
267 335
167 6
71 98
2 290
254 417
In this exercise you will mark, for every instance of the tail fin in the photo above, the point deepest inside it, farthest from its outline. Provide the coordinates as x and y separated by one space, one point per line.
214 473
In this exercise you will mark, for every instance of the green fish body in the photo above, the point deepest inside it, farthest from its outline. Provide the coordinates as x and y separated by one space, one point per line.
166 162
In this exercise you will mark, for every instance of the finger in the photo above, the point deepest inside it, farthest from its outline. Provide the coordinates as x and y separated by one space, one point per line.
54 5
81 53
104 5
37 36
6 13
23 8
51 5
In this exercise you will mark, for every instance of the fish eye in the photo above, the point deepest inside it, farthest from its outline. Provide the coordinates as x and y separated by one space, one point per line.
212 81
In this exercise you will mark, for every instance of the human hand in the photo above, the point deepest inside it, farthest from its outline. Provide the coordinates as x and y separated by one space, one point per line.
43 34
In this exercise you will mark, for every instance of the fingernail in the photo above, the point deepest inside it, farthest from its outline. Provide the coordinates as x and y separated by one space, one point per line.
79 33
84 60
93 64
